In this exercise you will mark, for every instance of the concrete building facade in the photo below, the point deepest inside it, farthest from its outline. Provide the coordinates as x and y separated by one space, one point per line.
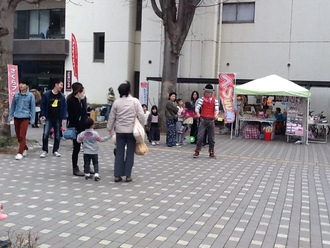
123 40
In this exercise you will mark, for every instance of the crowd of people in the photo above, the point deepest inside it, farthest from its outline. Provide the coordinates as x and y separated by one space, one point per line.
182 117
58 113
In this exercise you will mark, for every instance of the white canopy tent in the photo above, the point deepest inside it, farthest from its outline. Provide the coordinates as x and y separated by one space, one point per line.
274 85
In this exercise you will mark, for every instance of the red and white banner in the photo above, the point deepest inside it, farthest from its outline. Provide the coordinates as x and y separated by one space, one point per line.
74 51
144 93
226 93
12 82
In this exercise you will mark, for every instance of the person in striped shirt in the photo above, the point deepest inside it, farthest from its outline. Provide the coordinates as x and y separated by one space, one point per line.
207 109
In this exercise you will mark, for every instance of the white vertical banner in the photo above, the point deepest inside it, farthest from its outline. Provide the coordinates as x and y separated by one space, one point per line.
144 93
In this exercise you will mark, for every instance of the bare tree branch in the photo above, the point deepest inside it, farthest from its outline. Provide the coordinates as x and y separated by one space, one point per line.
78 4
32 1
156 9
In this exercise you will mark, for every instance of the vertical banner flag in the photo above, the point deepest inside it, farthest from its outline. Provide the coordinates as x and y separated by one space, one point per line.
144 92
68 77
226 93
74 51
12 82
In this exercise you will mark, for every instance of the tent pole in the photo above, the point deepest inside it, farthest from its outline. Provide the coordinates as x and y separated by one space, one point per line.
307 116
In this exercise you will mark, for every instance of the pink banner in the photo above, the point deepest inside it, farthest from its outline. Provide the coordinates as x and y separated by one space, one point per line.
12 82
226 93
74 50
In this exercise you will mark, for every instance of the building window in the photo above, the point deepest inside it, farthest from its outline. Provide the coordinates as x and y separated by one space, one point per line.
238 13
21 25
138 15
99 44
39 24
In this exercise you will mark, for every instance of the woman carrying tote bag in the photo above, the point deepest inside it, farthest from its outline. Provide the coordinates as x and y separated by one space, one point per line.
122 117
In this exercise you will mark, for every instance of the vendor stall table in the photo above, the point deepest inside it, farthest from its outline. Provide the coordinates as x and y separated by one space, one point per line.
241 120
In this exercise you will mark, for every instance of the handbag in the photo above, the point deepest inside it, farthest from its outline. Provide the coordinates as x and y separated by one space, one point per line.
141 148
70 133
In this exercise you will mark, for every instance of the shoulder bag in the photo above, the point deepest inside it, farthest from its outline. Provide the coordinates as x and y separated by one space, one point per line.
138 129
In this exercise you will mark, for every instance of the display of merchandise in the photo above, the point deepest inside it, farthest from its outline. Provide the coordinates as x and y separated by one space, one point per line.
295 117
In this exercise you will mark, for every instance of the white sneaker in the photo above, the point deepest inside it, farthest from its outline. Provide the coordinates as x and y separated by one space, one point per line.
157 143
57 154
43 154
153 143
18 156
25 153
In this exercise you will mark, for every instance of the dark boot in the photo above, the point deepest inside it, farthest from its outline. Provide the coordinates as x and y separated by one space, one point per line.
212 153
198 149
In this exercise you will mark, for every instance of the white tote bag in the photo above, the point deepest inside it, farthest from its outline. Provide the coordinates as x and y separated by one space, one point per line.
138 129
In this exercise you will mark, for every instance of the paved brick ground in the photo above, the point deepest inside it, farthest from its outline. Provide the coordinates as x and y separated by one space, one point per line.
255 194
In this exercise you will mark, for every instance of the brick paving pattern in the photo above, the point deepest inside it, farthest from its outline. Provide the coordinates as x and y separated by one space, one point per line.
255 194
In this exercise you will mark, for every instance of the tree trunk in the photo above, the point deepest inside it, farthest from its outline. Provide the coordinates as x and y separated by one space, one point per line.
170 75
6 57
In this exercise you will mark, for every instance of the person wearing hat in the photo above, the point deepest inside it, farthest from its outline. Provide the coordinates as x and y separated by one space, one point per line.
207 109
23 110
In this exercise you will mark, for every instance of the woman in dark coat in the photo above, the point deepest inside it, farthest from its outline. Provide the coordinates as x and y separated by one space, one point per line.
171 111
77 116
194 127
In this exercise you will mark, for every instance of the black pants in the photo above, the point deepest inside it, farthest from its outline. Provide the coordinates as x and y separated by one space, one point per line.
87 162
75 153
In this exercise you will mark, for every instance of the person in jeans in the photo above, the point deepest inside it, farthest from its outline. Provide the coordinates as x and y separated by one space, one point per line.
23 111
122 117
77 116
89 138
207 109
53 114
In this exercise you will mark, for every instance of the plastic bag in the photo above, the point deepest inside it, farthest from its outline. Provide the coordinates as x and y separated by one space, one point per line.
141 148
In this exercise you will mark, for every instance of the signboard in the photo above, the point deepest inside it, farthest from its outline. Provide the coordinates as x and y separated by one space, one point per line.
68 80
74 51
12 82
226 93
144 93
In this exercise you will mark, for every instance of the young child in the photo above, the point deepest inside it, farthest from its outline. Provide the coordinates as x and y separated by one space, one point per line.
153 125
89 137
188 113
146 115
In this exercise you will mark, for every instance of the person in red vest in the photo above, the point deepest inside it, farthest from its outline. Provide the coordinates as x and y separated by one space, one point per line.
207 109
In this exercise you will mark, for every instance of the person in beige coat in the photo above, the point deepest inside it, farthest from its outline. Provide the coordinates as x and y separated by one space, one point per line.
122 116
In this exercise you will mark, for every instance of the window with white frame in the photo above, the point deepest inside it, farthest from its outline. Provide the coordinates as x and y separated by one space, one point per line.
238 12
